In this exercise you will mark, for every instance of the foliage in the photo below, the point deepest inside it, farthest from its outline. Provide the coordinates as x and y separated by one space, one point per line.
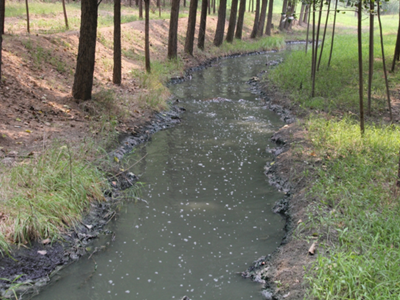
357 210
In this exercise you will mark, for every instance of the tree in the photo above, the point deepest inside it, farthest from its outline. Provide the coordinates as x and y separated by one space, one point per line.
360 69
140 9
147 35
303 6
239 26
83 81
203 22
324 35
397 48
191 27
27 16
65 14
371 52
117 43
261 22
173 30
232 21
269 18
219 32
256 18
283 16
2 13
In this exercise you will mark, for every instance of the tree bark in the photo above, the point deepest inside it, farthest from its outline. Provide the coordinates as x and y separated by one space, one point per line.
27 17
256 19
173 30
219 32
117 43
83 81
140 9
306 14
239 25
191 27
203 23
384 64
261 22
65 14
308 25
268 30
289 14
232 21
303 6
147 35
316 50
2 13
360 68
371 54
283 16
397 48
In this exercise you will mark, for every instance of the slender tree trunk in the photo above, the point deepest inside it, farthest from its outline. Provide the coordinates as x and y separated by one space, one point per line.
83 81
137 2
173 30
398 174
65 14
308 25
203 23
283 16
289 13
268 30
209 6
384 64
214 6
27 17
232 21
360 68
324 35
371 54
306 14
184 3
239 26
147 35
333 33
219 32
117 43
303 6
316 50
313 47
2 13
397 48
256 18
140 9
191 27
261 22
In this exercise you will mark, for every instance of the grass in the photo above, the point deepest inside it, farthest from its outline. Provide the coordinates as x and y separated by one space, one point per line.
336 87
357 211
44 195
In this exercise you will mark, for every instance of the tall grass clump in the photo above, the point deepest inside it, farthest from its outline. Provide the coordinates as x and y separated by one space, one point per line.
44 195
357 212
336 87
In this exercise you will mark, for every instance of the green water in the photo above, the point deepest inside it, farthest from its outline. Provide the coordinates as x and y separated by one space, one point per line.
208 212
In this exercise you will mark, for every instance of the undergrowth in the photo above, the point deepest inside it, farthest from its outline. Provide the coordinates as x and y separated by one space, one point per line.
357 211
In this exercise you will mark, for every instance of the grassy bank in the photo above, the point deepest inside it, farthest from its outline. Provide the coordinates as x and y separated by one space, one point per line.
353 201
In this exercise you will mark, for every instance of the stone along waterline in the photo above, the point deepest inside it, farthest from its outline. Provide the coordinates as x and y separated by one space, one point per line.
207 212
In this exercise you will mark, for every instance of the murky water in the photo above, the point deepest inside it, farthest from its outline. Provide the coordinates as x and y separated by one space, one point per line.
208 212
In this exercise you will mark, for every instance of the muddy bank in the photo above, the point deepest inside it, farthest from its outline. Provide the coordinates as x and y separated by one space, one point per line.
282 273
28 269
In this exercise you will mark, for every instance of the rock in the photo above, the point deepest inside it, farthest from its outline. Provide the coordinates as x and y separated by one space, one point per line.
267 295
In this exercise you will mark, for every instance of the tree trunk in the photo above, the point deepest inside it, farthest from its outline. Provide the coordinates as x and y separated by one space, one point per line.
209 6
384 64
324 35
232 21
173 30
65 14
283 16
397 49
2 13
306 14
27 17
289 14
140 9
219 32
203 23
83 81
239 26
256 19
360 68
191 27
261 22
147 35
268 30
214 6
184 3
308 25
117 43
371 53
333 33
313 50
303 6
